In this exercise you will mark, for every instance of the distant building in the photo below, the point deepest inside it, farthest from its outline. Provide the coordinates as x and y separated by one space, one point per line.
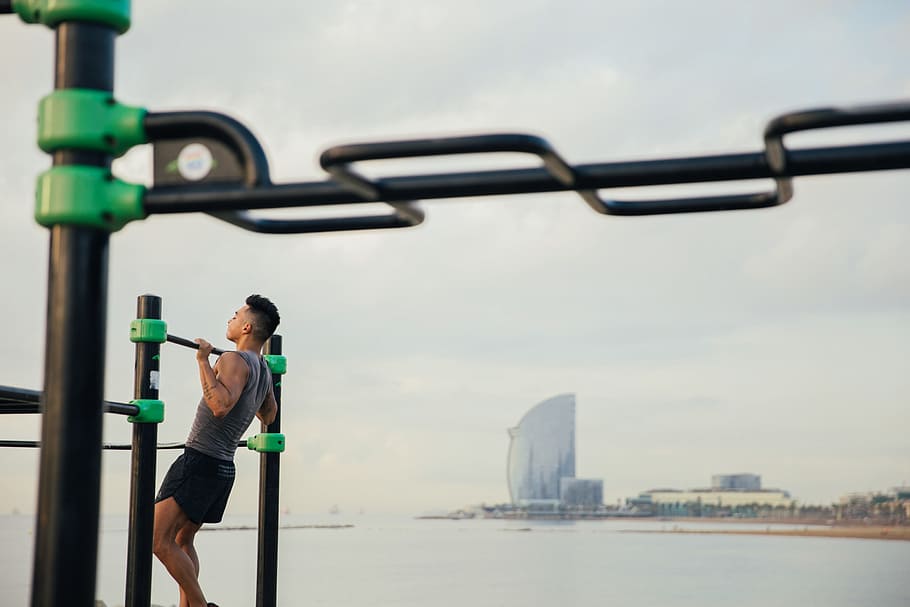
888 507
746 482
542 451
728 491
541 462
581 492
900 493
719 498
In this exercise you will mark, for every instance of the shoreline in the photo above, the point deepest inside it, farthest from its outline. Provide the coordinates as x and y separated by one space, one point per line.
841 531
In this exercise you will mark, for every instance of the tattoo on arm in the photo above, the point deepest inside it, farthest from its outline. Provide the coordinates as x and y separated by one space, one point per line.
208 390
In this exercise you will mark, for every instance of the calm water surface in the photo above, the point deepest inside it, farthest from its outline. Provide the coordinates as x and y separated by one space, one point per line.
484 563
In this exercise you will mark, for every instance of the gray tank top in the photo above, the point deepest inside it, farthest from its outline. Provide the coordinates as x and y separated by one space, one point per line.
218 436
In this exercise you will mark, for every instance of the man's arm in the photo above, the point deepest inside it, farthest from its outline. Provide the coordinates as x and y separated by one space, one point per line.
269 409
221 387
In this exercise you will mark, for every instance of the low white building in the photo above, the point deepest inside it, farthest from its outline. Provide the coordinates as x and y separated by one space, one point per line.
719 498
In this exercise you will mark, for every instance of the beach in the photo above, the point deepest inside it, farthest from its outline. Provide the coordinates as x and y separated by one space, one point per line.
866 532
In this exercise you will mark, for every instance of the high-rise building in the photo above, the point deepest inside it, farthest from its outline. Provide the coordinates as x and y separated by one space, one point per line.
542 451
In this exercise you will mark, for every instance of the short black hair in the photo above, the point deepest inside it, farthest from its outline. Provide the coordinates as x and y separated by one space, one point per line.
265 314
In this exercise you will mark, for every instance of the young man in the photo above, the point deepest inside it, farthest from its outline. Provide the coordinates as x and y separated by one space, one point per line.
196 488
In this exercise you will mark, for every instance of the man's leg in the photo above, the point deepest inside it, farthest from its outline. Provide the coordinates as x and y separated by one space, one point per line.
169 518
184 539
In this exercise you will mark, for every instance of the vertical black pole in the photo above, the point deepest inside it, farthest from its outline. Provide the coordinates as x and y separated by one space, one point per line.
142 477
267 570
69 492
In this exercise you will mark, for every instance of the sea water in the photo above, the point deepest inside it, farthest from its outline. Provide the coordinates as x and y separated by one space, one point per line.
405 562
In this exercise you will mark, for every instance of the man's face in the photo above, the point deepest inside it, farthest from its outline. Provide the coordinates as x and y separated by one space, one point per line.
237 323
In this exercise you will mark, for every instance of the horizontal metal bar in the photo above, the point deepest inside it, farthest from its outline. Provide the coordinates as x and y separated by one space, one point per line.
180 341
19 395
33 444
22 400
121 408
701 169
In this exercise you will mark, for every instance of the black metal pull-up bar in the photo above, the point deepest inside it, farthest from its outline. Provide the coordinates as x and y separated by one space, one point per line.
180 341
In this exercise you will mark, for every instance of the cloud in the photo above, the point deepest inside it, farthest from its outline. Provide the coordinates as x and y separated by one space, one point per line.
765 341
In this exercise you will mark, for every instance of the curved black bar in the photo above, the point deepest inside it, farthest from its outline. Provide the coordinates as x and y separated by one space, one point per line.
167 126
23 401
736 202
820 118
412 217
250 155
180 341
337 160
699 169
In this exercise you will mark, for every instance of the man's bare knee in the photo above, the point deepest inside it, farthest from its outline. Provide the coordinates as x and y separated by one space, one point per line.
161 546
169 519
185 537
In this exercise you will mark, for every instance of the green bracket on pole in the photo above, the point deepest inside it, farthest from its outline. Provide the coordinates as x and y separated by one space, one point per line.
148 330
150 411
88 120
266 443
277 363
112 13
86 196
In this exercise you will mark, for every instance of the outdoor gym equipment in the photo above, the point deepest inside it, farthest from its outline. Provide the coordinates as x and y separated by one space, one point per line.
83 126
148 332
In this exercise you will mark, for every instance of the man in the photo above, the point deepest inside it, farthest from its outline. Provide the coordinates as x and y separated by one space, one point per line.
196 488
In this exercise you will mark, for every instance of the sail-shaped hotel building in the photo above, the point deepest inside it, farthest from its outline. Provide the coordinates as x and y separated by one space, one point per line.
541 461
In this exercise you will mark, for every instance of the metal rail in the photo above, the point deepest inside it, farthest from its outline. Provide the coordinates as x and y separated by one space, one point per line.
33 444
186 343
347 186
22 400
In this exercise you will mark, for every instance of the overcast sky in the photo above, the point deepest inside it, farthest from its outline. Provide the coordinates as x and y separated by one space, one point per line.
774 342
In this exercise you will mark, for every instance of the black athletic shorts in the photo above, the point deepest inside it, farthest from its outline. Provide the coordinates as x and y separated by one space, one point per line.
200 484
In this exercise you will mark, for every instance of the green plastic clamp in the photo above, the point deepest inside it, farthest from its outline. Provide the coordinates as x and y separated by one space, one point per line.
86 196
148 330
277 363
150 411
113 13
266 443
89 120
